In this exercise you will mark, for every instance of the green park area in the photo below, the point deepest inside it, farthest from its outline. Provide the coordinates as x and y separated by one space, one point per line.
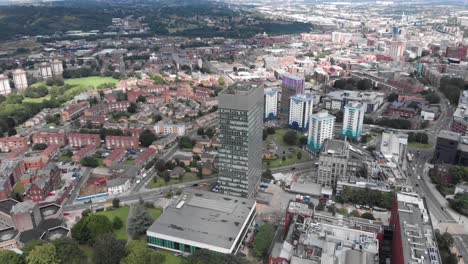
122 213
285 143
157 182
93 81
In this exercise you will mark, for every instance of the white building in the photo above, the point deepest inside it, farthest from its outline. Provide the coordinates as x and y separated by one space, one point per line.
397 48
300 110
57 67
353 120
117 186
4 85
45 71
168 129
336 100
271 103
320 128
20 80
393 146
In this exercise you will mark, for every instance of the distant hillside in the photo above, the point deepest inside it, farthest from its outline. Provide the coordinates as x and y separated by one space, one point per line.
37 20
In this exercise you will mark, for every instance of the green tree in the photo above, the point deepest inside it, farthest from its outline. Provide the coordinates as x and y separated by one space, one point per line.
290 137
299 155
303 141
90 227
89 162
68 251
10 257
221 81
138 252
108 250
132 108
39 146
116 202
30 246
139 220
355 213
368 215
43 254
267 174
117 223
186 142
141 99
263 240
147 137
340 84
204 256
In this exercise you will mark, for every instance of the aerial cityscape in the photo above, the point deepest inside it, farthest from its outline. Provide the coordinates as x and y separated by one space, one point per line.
237 132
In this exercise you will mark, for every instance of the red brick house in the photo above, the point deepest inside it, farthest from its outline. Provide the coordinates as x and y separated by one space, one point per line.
12 143
80 140
49 138
114 157
48 179
86 151
74 111
126 142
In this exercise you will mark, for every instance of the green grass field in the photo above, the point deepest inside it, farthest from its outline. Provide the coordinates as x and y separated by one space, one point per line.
170 257
291 157
92 81
188 177
122 213
19 188
36 100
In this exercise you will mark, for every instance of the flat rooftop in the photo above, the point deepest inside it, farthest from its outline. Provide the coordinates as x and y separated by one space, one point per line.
241 88
416 229
204 217
6 205
449 135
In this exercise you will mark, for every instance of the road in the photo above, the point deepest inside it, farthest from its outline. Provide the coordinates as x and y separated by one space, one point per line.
151 195
461 242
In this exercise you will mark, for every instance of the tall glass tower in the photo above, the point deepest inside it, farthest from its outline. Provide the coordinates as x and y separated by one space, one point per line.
241 128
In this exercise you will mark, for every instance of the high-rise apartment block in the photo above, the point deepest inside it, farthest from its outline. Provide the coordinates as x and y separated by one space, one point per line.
45 71
4 85
320 128
291 86
241 126
57 67
271 103
397 49
20 80
333 162
300 110
353 120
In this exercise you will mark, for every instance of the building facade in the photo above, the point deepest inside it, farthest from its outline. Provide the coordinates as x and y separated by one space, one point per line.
300 110
353 120
241 126
333 162
271 103
20 80
5 87
320 128
291 85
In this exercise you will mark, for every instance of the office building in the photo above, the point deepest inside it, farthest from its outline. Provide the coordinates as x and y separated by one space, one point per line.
300 110
333 162
45 71
397 49
316 237
353 120
320 128
20 80
203 220
57 68
451 148
394 146
414 240
337 100
5 88
241 126
291 85
271 103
